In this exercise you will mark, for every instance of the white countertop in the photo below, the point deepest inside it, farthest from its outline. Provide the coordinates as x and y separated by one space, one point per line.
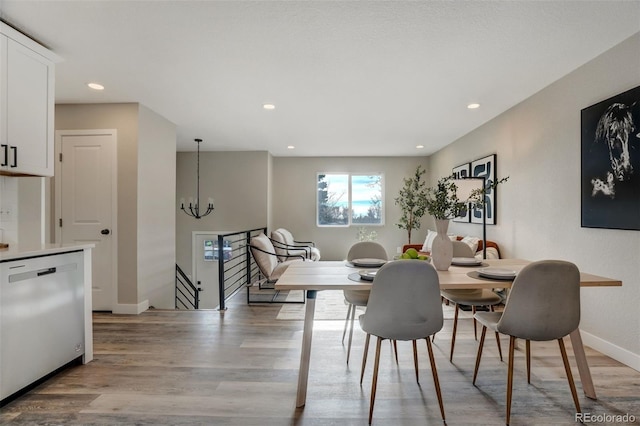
16 251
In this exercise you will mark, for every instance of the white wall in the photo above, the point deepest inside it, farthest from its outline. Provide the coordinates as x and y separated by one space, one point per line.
538 145
295 197
156 212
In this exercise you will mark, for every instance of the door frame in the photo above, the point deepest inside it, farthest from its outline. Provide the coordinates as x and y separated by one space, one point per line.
113 133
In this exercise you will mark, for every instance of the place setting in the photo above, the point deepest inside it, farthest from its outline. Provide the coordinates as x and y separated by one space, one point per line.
366 263
500 274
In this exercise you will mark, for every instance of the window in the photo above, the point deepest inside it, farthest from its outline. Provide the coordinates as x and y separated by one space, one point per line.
346 199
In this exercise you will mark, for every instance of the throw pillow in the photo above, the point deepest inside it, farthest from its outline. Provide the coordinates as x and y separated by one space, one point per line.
431 235
471 242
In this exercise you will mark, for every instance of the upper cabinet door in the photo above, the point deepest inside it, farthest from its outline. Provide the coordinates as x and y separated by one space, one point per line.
26 108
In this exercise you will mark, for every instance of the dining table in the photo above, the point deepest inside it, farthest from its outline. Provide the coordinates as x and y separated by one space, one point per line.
312 277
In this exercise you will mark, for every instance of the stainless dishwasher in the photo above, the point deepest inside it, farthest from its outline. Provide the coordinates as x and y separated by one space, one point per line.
41 317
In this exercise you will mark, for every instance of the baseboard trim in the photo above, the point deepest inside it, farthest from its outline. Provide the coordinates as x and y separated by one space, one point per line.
131 309
623 355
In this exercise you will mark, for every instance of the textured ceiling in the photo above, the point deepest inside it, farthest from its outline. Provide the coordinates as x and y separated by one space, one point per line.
347 78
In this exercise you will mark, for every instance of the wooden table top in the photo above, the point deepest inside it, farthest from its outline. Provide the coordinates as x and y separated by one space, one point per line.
334 275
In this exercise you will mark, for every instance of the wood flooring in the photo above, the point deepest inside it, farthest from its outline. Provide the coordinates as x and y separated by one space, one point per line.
240 367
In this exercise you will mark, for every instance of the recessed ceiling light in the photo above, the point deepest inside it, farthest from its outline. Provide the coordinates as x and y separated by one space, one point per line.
419 146
268 106
473 106
95 86
290 147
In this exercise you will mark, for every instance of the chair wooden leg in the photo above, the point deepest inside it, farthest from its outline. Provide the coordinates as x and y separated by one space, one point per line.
346 321
475 371
475 329
436 382
395 349
353 316
374 383
528 357
567 368
499 345
415 358
453 334
364 357
512 347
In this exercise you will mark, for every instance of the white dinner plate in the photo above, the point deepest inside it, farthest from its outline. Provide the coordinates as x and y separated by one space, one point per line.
367 274
368 263
466 261
497 273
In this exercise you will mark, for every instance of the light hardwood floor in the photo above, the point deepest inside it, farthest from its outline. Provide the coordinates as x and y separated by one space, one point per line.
240 368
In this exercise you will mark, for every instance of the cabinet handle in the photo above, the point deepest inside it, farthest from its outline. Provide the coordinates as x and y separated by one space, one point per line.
15 156
47 271
5 161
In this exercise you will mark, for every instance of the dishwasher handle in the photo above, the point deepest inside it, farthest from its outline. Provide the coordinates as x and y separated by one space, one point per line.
47 271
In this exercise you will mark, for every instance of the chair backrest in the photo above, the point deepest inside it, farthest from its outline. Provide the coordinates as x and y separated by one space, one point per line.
544 302
404 303
279 237
266 262
461 249
286 235
367 250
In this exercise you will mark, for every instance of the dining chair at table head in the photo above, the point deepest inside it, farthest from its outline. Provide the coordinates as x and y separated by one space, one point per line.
354 298
404 304
474 298
543 305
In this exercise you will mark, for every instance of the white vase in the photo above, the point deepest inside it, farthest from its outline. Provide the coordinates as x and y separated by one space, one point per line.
442 247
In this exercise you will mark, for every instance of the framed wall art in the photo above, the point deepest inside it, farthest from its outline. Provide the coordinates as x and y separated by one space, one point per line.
610 172
462 172
485 168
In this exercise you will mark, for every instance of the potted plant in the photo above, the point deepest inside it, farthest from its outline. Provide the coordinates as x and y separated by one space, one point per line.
412 200
443 204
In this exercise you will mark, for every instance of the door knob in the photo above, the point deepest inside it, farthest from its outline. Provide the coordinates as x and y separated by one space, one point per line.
105 232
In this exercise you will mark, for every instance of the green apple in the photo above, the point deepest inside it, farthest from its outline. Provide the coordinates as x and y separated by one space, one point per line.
413 253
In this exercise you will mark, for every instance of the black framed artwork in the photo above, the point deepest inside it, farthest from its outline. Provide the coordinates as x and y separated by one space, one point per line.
462 172
610 172
485 168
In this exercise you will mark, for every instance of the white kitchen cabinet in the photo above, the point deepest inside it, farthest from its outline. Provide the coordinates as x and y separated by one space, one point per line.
27 78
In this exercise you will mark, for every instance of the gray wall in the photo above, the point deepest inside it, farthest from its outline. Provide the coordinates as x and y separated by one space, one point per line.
138 130
156 212
538 145
239 184
295 196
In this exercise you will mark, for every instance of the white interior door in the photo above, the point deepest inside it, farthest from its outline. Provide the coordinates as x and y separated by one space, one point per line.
85 203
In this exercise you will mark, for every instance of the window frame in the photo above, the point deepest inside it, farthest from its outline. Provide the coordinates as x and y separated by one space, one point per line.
350 222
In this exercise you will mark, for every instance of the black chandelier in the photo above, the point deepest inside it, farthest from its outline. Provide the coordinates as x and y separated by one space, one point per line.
193 209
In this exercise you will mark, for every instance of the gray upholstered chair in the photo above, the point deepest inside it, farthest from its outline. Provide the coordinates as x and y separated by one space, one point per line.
355 298
543 305
473 298
285 244
267 260
404 304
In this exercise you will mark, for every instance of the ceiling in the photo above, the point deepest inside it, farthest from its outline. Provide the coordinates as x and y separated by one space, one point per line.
346 78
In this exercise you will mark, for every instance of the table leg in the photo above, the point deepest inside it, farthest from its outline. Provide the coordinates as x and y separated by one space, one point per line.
583 367
303 374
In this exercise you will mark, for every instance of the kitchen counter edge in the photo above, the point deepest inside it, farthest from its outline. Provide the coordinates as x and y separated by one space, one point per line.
17 252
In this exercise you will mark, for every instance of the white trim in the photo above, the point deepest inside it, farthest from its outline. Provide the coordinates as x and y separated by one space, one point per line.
623 355
114 196
130 308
